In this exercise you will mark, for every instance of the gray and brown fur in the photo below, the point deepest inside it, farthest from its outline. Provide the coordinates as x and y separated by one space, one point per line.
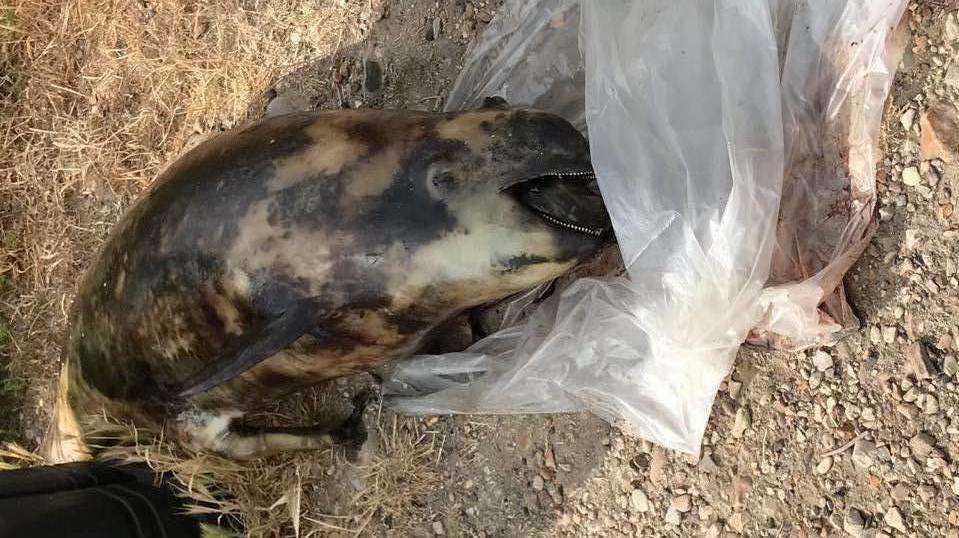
344 237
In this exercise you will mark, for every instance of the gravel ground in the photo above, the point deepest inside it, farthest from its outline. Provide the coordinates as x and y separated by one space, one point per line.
859 439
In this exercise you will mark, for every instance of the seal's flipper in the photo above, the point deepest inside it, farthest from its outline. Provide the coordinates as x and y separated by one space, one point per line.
495 101
274 337
224 433
352 432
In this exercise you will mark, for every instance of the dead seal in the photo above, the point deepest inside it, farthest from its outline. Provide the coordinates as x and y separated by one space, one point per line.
310 246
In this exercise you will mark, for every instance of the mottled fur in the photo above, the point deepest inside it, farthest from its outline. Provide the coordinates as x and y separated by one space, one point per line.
339 238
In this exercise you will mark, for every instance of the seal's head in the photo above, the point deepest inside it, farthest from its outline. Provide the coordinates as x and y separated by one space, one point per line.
522 190
519 207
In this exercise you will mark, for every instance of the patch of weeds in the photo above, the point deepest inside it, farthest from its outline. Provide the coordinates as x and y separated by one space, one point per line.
13 77
10 388
9 241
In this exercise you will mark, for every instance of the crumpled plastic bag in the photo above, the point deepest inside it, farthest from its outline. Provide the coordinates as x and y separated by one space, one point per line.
702 118
839 64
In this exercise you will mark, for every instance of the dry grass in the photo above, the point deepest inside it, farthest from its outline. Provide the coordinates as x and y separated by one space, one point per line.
261 497
95 97
387 487
400 473
14 456
281 496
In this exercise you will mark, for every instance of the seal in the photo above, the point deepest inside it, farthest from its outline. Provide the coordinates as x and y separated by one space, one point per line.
309 246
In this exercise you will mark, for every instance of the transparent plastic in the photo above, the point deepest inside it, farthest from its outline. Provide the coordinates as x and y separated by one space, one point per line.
696 113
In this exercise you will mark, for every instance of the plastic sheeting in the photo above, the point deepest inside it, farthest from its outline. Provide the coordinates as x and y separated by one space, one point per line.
700 117
839 63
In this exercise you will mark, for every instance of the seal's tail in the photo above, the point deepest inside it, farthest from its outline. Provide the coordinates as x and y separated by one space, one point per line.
63 442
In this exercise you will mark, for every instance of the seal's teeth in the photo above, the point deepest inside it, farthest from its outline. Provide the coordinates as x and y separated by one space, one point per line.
570 174
570 225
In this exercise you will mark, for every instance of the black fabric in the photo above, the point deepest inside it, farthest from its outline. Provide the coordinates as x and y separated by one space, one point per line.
90 500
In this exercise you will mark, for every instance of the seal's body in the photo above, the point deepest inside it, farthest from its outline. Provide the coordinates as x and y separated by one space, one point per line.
311 246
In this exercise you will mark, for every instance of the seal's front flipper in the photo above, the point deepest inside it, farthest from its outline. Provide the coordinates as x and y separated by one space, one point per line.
222 432
274 337
352 432
477 324
495 101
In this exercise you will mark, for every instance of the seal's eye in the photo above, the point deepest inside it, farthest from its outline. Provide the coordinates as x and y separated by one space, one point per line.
441 181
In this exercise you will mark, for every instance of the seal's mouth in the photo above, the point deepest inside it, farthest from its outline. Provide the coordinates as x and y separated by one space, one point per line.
569 200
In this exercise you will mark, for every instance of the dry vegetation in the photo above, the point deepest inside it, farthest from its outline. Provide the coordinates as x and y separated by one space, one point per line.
398 473
285 495
97 96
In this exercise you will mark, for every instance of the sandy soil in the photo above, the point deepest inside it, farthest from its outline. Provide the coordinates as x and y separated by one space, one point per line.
861 439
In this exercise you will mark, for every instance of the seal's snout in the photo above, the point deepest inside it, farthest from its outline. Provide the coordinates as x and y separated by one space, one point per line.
571 201
553 176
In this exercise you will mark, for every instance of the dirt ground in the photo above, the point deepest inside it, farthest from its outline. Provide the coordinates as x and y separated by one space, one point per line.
861 439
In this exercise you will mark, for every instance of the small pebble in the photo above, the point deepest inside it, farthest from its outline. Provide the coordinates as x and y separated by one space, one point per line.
708 464
853 523
893 518
438 528
815 379
911 239
741 422
862 453
899 492
736 522
824 465
911 177
821 360
889 334
706 513
907 118
682 503
639 501
672 517
921 444
949 365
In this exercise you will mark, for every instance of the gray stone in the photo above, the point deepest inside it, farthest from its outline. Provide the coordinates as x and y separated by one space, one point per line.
742 422
922 444
853 522
708 464
862 453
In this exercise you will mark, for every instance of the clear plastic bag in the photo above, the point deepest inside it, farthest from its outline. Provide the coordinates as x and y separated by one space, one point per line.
683 102
838 68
